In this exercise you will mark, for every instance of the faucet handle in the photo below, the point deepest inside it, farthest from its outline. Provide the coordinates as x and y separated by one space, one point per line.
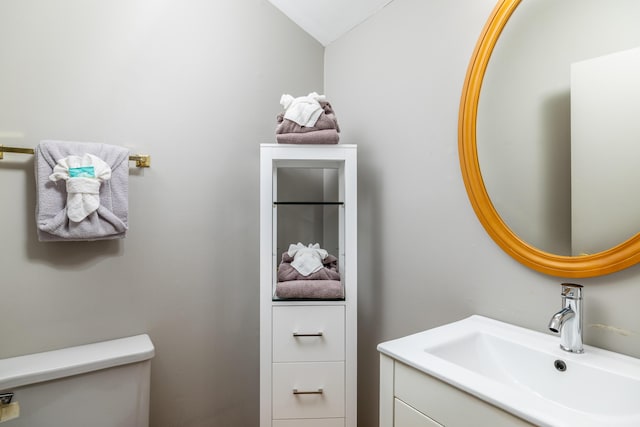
571 290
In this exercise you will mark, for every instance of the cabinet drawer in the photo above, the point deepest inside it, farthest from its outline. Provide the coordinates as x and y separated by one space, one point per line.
406 416
446 404
308 390
308 333
318 422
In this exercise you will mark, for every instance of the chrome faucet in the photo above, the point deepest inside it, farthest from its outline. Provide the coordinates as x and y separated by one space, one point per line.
568 321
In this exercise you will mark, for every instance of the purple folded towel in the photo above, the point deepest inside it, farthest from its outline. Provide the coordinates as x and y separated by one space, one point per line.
287 272
109 221
310 289
325 136
327 120
325 131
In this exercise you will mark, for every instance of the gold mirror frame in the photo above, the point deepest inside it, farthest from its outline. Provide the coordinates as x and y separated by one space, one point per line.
615 259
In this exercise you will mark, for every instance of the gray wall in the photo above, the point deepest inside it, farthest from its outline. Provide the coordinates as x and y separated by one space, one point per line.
197 84
424 258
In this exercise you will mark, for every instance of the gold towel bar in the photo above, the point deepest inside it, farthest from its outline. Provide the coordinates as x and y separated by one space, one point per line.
142 160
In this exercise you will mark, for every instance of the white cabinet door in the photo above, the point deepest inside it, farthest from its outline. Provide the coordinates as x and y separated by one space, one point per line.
447 404
406 416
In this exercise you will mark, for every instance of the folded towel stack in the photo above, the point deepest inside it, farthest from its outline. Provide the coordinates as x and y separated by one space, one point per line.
310 289
328 271
82 191
307 120
306 280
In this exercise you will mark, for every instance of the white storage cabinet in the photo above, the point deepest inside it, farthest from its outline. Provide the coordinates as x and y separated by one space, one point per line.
308 346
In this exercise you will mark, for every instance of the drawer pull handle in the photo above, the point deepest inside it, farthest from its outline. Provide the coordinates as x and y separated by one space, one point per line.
318 391
317 334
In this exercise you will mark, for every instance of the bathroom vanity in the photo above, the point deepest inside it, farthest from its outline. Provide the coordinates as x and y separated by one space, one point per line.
308 341
480 371
411 398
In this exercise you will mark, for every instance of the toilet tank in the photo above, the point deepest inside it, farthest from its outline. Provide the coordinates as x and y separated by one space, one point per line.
104 384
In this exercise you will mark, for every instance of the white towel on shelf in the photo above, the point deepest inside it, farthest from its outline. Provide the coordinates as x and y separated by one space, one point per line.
304 110
307 259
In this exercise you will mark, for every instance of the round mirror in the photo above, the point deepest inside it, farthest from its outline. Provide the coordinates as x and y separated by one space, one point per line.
545 157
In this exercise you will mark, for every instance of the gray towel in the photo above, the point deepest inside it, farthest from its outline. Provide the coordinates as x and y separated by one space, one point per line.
310 289
324 136
109 221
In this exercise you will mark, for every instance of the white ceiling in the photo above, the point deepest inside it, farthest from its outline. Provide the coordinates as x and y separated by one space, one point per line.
328 20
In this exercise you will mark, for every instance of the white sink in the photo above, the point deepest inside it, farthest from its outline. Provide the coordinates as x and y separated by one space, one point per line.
514 368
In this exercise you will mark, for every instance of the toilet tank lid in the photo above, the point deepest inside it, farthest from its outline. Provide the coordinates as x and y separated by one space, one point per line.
50 365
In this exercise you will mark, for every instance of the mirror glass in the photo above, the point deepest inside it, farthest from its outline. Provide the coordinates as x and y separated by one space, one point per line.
557 198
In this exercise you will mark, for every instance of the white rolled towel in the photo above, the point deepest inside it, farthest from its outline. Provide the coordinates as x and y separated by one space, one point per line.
307 259
83 175
304 110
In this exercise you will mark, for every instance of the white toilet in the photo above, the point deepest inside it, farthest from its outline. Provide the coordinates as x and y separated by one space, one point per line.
105 384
